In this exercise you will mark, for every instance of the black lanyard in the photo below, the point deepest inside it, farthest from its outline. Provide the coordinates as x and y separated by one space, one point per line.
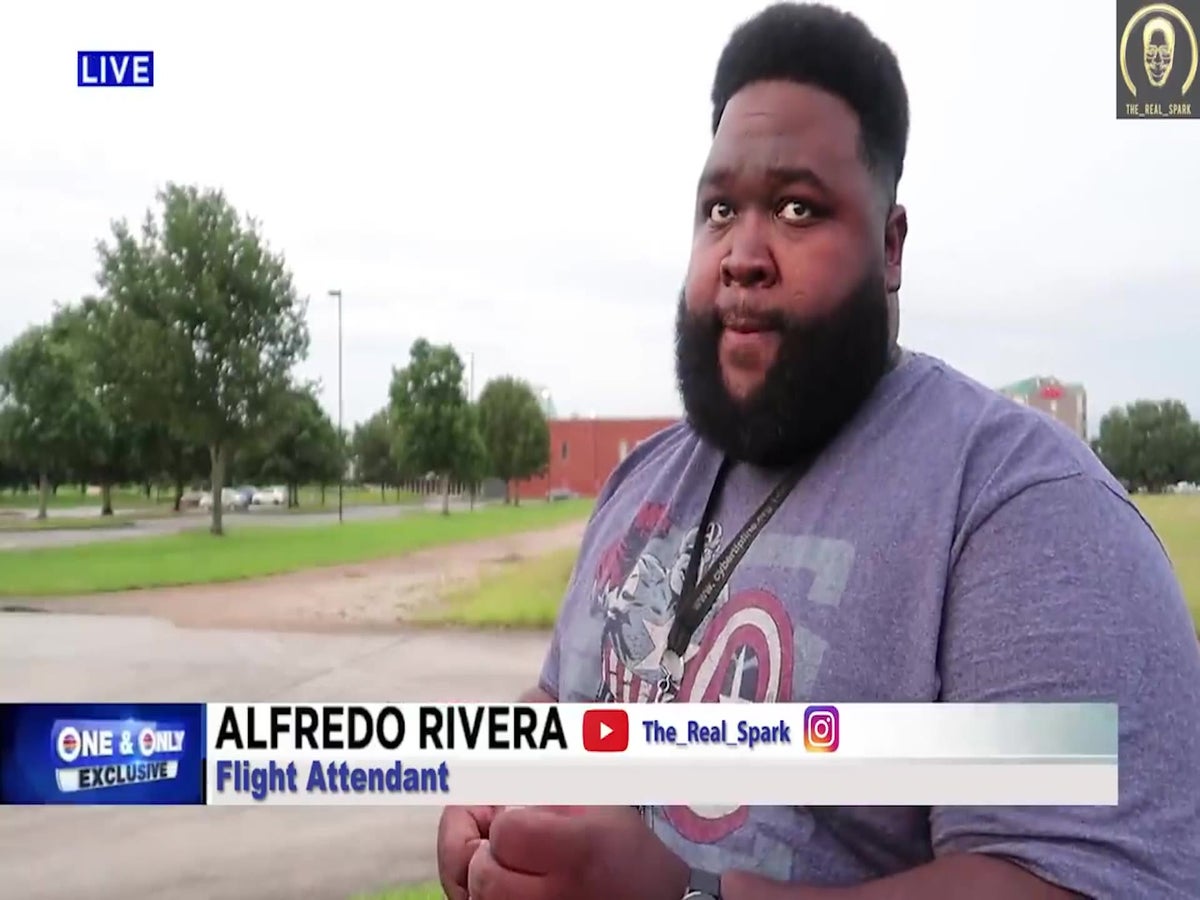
696 600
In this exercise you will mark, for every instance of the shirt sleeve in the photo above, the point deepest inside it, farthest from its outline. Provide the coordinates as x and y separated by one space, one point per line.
1064 593
550 678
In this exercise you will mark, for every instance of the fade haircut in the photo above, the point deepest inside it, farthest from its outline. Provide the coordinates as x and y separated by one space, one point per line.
826 48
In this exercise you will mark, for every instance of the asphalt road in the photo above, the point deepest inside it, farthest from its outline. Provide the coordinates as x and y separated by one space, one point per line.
147 527
207 853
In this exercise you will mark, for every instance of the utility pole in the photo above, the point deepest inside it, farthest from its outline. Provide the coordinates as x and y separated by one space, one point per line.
341 434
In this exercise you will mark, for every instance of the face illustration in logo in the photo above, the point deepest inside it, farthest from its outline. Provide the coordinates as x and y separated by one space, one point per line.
1158 42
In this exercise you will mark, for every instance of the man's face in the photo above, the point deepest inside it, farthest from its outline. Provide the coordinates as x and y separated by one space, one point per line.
783 325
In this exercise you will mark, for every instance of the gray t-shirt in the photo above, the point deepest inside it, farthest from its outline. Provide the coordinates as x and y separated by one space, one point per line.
950 545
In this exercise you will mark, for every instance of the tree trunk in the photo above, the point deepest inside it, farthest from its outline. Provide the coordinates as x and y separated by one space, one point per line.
178 505
83 489
322 494
382 492
445 495
217 454
507 491
43 494
106 498
146 489
472 498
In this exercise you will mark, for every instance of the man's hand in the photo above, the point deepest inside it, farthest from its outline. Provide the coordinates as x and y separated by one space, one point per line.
540 853
460 832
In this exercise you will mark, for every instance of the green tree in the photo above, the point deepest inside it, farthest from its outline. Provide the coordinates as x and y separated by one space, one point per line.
373 449
14 472
515 431
301 448
52 415
1150 445
118 435
428 400
471 465
180 462
218 321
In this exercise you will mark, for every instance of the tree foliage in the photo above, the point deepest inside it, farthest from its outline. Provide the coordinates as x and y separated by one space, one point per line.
302 446
471 463
215 322
374 450
515 432
183 367
430 405
1150 445
51 411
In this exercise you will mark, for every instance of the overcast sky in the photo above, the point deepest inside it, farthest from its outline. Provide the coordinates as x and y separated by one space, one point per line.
517 179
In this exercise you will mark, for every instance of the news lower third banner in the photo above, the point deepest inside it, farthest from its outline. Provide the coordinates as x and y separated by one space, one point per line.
410 754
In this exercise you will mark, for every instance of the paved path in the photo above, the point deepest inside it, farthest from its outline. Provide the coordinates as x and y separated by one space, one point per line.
188 521
231 854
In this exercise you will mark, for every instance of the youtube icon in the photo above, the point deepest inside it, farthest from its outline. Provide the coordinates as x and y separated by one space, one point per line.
605 730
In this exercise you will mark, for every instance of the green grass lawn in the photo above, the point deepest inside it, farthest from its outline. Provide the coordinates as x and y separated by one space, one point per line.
249 551
1176 518
63 523
70 496
430 891
524 594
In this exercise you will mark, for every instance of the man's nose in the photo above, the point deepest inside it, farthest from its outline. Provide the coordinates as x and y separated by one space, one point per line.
749 262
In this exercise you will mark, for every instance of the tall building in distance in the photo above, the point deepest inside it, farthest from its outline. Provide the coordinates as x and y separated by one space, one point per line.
1061 400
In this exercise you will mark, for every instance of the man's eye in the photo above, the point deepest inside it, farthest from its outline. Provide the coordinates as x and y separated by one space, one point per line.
795 211
719 213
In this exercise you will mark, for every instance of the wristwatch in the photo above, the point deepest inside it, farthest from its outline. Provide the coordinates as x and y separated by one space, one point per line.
703 886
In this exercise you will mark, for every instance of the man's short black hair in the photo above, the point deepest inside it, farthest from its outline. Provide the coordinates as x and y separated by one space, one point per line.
832 50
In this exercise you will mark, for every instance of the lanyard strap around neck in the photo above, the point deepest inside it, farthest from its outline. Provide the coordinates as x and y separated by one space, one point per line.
696 600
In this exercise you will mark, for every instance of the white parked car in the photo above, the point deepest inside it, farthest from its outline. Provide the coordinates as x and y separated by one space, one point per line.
272 496
230 499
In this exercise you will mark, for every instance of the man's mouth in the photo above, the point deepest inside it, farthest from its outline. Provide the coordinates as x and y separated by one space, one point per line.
749 325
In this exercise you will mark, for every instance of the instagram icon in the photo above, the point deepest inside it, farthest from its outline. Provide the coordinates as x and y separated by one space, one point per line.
821 729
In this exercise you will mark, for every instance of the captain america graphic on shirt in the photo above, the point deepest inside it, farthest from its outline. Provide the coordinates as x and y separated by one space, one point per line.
741 653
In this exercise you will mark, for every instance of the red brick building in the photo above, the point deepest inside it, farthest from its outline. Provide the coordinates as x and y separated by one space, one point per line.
583 453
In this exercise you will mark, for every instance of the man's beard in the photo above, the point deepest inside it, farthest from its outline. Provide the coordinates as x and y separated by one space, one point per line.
823 372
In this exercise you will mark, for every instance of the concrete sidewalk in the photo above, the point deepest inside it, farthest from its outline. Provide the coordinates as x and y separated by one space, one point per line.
214 854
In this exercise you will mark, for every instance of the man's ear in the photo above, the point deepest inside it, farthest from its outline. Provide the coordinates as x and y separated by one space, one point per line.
894 233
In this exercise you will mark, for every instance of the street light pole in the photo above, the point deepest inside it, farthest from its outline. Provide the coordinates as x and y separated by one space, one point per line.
341 434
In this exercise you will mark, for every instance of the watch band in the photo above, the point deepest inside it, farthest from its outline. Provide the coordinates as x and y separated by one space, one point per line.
703 886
